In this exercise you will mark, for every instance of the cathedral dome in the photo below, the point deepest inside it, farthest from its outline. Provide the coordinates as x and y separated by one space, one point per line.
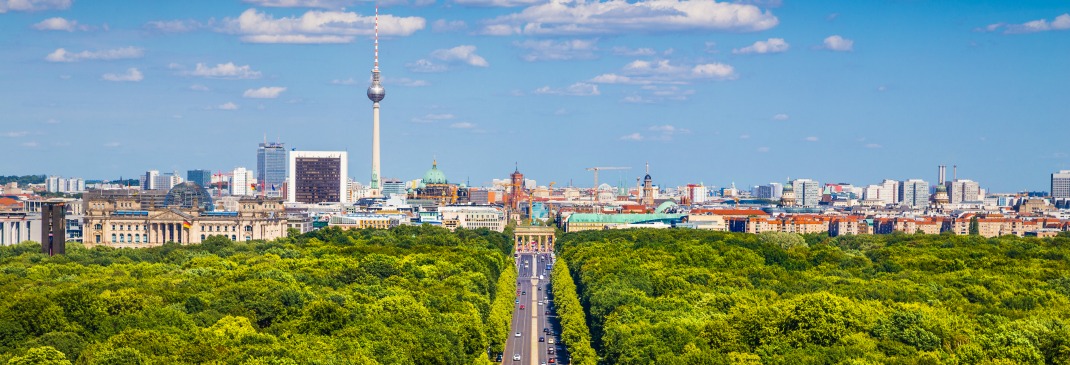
434 175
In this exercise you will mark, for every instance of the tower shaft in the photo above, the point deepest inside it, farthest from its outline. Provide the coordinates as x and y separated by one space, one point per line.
376 173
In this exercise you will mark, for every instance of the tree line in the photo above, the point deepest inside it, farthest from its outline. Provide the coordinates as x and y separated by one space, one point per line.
409 295
699 297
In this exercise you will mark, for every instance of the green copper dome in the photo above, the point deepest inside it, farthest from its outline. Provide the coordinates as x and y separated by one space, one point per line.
434 175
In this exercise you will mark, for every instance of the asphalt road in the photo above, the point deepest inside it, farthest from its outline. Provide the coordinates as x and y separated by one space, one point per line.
531 320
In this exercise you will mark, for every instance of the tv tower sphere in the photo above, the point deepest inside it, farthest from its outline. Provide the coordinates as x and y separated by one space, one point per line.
376 92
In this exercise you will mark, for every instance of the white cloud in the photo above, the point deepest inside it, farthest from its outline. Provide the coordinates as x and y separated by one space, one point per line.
228 106
781 116
317 27
662 132
267 92
443 25
430 118
15 134
577 89
763 149
30 144
61 55
744 136
349 81
33 5
773 45
225 71
632 137
616 17
1061 22
465 54
423 65
175 26
668 129
873 145
131 75
664 72
498 3
625 51
462 125
58 23
325 4
198 87
811 139
405 81
839 44
549 50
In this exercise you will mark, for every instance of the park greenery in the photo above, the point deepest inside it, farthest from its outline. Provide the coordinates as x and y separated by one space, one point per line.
574 331
695 297
22 180
409 295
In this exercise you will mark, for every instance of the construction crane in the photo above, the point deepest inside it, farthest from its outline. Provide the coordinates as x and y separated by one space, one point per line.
596 169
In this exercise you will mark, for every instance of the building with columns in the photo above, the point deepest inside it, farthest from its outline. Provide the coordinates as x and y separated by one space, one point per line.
187 217
534 238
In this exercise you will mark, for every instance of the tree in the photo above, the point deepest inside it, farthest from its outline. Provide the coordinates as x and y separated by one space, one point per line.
45 355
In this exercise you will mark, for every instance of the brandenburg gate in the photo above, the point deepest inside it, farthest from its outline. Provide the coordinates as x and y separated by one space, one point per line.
534 239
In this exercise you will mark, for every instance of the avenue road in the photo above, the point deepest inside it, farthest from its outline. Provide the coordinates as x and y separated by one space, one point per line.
531 317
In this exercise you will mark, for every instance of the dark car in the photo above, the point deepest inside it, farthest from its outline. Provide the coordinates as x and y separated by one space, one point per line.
547 312
542 339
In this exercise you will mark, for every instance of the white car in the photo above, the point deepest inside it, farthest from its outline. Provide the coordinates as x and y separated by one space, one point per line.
516 357
550 340
517 335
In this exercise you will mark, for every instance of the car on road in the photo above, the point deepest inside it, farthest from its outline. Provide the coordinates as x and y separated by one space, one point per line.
521 307
550 350
524 292
516 357
547 312
540 302
516 334
542 339
546 330
550 340
552 360
517 301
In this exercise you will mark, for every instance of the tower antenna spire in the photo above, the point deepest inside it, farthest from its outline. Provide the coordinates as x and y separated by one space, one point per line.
376 37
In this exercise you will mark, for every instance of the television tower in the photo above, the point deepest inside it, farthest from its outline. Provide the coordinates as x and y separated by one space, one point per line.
376 93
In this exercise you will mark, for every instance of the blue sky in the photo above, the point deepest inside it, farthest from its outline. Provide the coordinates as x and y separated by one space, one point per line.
718 92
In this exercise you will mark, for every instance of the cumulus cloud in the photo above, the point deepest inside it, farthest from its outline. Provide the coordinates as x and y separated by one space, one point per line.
228 106
615 17
577 89
497 3
443 25
15 134
405 81
316 27
429 118
33 5
225 71
1061 22
62 55
644 72
549 50
625 51
662 132
198 87
58 23
632 137
811 139
773 45
131 75
462 125
464 54
873 145
423 65
175 26
781 116
838 43
325 4
267 92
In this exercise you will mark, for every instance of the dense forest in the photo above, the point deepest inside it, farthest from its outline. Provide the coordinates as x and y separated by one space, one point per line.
694 297
409 295
22 180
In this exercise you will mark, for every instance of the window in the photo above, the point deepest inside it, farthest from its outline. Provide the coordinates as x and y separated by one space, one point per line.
113 227
122 238
137 238
233 237
248 228
98 226
113 237
202 237
98 238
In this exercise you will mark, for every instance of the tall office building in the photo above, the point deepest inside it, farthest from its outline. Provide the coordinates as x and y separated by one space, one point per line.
271 168
317 177
914 193
242 182
56 184
199 177
807 192
965 191
889 191
148 180
393 186
1060 185
376 93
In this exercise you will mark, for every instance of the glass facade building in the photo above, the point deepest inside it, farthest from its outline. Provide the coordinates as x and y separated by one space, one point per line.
271 164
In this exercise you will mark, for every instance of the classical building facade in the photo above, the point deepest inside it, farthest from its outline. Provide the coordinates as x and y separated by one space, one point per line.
187 218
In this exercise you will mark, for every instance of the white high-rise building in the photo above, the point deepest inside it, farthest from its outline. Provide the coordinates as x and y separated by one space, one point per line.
242 182
56 184
807 192
148 180
914 193
1060 185
889 192
965 191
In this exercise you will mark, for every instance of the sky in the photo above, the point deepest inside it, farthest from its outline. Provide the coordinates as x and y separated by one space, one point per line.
743 92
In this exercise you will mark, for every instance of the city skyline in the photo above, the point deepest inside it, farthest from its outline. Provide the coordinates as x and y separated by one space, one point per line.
831 91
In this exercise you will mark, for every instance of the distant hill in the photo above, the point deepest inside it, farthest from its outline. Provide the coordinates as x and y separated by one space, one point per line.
23 180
